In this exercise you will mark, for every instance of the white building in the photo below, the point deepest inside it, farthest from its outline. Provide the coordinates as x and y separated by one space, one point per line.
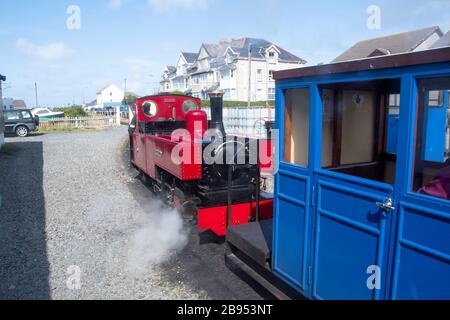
226 66
110 95
8 104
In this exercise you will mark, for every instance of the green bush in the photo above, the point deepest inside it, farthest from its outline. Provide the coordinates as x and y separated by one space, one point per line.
72 112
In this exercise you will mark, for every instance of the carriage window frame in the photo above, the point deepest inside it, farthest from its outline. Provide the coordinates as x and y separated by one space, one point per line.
289 155
419 109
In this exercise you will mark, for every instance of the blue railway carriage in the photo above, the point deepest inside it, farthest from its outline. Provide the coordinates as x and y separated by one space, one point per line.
362 200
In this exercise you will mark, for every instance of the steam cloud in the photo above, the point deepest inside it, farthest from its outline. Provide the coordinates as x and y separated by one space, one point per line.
163 234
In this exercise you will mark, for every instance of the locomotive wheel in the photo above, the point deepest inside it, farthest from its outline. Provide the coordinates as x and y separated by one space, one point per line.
189 211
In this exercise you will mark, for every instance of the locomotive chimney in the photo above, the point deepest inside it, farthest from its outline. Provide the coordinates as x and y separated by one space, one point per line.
216 99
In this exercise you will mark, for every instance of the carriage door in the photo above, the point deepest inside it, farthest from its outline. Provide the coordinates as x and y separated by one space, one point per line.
354 190
293 195
422 248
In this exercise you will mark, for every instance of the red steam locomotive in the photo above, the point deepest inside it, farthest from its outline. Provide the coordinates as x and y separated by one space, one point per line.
195 166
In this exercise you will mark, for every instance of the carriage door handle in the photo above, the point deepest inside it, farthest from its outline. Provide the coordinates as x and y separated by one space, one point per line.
387 205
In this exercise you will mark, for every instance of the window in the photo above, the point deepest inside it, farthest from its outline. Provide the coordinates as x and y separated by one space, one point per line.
259 75
232 74
189 105
296 126
150 109
271 94
393 123
25 115
431 176
12 115
272 57
271 75
43 112
354 127
436 98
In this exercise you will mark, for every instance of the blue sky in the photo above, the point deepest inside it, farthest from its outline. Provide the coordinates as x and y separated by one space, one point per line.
136 39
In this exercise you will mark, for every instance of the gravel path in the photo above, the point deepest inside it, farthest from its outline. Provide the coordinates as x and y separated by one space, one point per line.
76 224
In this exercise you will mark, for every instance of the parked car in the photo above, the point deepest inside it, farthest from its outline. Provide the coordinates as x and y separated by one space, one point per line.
45 114
20 122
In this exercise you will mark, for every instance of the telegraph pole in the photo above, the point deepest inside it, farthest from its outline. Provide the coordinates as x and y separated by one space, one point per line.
2 78
125 90
249 76
36 94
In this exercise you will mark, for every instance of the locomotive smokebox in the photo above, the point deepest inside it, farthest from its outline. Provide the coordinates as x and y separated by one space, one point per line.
216 99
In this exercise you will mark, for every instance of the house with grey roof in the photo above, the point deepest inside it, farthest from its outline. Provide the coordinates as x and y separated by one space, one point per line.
442 42
19 104
228 66
411 41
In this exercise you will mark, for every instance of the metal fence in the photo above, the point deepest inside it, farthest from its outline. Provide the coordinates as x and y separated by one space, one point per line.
248 122
80 122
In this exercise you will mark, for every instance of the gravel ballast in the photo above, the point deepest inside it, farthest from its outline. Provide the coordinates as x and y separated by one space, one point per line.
75 223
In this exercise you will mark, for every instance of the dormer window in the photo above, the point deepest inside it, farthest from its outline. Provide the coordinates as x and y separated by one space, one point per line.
272 56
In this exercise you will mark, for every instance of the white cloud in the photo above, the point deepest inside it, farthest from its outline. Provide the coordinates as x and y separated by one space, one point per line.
51 51
115 4
161 6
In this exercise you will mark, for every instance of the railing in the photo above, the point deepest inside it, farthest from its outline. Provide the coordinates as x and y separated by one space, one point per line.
125 118
248 122
79 122
102 113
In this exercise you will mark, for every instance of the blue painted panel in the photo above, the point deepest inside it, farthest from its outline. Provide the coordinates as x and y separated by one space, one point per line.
422 259
290 240
435 132
293 186
428 230
343 256
392 134
421 276
343 200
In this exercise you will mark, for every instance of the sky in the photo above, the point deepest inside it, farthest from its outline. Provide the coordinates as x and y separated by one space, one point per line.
71 56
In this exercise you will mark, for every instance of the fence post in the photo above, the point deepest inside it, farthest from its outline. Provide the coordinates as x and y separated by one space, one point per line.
118 123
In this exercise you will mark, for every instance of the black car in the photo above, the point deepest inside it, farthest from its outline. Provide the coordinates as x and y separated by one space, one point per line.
20 122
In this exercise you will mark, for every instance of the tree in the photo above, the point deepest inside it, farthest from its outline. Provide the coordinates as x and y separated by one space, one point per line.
129 99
